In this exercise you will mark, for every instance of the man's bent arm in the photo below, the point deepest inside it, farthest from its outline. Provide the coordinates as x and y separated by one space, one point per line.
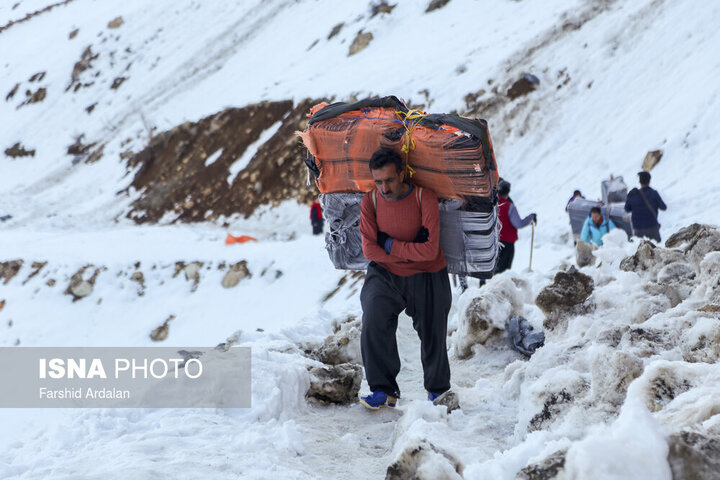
427 251
515 219
368 232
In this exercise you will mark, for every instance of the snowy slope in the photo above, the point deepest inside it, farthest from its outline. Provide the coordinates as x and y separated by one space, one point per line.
617 79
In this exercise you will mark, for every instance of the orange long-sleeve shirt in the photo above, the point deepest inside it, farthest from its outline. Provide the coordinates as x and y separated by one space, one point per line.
401 220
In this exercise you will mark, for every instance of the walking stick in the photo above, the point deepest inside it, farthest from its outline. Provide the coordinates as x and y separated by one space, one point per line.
532 240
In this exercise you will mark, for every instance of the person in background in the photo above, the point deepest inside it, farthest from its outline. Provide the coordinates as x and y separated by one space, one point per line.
595 226
316 216
644 204
510 222
575 196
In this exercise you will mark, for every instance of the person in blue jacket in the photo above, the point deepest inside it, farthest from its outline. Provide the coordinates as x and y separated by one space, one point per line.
595 226
644 203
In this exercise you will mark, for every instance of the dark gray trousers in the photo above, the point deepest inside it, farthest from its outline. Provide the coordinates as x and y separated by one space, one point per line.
426 298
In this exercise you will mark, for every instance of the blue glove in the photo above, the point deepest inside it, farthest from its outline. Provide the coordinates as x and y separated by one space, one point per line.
385 241
388 245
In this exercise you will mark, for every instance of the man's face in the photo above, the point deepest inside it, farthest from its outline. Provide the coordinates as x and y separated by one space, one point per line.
388 181
596 217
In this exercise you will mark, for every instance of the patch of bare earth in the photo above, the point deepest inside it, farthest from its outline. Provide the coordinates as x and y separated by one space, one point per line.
172 175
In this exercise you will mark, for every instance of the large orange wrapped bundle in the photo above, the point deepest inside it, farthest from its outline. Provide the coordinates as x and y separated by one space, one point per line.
449 154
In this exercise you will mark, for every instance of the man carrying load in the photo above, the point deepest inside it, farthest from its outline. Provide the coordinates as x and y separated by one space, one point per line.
400 228
595 227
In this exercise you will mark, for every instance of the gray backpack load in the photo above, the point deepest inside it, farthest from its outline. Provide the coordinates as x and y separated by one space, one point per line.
579 209
614 190
469 239
343 240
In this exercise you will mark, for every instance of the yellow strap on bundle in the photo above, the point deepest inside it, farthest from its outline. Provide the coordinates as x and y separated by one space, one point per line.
410 119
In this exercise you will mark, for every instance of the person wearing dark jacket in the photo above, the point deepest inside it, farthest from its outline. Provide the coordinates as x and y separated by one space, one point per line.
316 217
644 203
510 222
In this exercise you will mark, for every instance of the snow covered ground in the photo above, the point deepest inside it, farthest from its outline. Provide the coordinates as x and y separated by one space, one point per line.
617 79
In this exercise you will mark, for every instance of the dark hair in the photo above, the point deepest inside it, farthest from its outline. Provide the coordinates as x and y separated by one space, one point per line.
644 178
596 210
384 157
577 192
503 188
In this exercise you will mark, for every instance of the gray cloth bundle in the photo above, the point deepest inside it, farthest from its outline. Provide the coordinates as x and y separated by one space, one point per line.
343 241
469 240
579 209
522 337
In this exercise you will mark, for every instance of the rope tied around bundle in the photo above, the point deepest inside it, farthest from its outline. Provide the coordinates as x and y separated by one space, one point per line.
410 119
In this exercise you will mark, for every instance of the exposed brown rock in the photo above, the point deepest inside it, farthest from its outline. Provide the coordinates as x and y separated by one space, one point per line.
645 342
79 148
18 150
649 258
115 22
95 155
9 269
335 30
35 97
555 403
343 346
85 63
36 266
435 4
335 384
584 254
382 7
237 272
568 290
80 288
448 399
12 92
665 387
409 464
612 374
160 333
651 159
710 308
524 85
694 456
675 293
362 40
117 82
139 278
37 77
173 177
547 469
192 273
698 240
484 318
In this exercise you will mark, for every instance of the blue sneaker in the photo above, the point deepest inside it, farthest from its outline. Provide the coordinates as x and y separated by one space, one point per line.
433 395
377 399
